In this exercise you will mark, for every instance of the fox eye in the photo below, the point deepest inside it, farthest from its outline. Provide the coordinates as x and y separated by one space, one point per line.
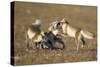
58 24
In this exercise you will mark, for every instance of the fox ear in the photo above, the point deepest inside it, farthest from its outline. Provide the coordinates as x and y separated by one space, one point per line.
63 20
37 22
66 22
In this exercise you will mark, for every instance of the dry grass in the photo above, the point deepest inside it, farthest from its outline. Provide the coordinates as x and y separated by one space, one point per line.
79 16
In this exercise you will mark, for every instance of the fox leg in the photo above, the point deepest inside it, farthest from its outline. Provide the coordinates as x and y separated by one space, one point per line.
77 40
83 42
77 44
26 40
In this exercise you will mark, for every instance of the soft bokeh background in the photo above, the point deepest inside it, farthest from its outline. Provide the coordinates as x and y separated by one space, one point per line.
84 17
